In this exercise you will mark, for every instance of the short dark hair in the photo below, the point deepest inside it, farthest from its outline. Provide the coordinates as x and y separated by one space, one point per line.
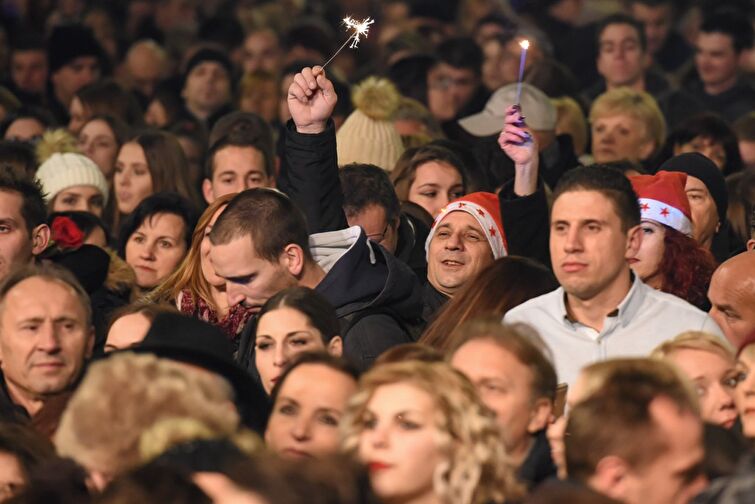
461 52
608 181
241 129
158 203
19 157
364 185
28 446
33 208
38 114
710 126
611 419
269 217
313 305
730 23
337 364
624 19
28 41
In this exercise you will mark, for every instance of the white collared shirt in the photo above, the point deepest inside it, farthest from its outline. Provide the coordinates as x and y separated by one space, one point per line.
645 318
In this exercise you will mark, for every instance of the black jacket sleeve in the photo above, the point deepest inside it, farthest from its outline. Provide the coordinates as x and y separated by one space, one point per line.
526 223
371 336
312 178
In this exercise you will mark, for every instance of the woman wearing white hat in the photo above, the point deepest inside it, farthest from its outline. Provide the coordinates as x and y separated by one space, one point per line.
72 181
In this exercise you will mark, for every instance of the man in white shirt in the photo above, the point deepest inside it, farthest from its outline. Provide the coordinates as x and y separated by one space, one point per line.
601 310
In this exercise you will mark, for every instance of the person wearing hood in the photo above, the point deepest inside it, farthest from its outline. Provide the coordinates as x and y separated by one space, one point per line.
315 187
377 298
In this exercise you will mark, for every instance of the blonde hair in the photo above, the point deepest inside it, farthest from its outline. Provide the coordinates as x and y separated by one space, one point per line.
479 470
694 340
637 104
571 120
170 432
189 274
125 395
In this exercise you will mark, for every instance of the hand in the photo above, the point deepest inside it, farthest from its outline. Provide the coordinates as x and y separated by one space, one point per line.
516 140
311 100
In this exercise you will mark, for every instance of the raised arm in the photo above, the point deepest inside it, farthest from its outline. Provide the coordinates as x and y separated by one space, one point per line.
312 174
524 209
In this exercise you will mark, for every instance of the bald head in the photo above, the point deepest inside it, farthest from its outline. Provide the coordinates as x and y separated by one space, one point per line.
146 65
732 296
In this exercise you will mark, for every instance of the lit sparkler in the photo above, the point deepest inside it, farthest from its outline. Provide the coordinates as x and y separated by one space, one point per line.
524 44
361 28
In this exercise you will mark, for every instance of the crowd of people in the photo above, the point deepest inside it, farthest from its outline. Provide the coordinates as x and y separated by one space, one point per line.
242 262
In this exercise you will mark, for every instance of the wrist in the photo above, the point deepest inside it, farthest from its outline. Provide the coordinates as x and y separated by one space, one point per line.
311 128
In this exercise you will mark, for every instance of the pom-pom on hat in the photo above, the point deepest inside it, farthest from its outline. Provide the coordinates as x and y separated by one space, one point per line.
368 134
663 200
484 207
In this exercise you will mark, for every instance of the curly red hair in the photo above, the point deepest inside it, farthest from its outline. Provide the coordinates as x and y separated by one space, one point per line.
687 268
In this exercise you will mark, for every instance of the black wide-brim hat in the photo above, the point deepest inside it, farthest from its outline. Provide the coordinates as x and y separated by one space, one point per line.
190 340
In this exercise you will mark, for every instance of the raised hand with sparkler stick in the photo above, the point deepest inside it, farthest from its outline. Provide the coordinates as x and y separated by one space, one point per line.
520 145
311 100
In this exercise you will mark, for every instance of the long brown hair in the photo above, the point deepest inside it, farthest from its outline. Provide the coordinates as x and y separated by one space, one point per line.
189 275
168 168
403 174
508 282
167 164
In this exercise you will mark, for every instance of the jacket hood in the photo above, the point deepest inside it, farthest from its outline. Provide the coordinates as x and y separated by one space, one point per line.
361 274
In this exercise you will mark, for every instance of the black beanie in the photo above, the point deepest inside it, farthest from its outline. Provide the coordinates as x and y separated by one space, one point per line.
209 54
699 166
69 42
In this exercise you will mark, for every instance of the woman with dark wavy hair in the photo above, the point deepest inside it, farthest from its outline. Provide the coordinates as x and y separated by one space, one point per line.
669 259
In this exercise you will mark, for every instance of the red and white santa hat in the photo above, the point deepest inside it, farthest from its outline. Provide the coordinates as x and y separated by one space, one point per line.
484 207
663 200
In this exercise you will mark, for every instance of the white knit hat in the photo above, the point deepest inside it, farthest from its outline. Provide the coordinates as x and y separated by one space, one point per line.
69 169
368 134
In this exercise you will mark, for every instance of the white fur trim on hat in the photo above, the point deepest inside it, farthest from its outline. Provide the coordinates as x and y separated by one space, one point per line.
61 171
663 213
489 227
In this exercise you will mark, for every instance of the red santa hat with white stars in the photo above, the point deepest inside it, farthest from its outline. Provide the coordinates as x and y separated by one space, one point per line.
484 207
663 200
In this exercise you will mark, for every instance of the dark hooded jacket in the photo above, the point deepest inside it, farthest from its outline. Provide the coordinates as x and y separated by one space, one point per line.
377 298
312 182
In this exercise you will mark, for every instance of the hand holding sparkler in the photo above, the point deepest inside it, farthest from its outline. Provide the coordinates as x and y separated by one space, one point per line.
520 145
311 100
515 139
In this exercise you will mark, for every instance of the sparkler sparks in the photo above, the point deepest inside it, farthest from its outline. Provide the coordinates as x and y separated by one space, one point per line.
361 28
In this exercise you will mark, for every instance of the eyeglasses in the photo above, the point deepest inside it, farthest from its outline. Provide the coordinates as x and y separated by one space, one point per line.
377 238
